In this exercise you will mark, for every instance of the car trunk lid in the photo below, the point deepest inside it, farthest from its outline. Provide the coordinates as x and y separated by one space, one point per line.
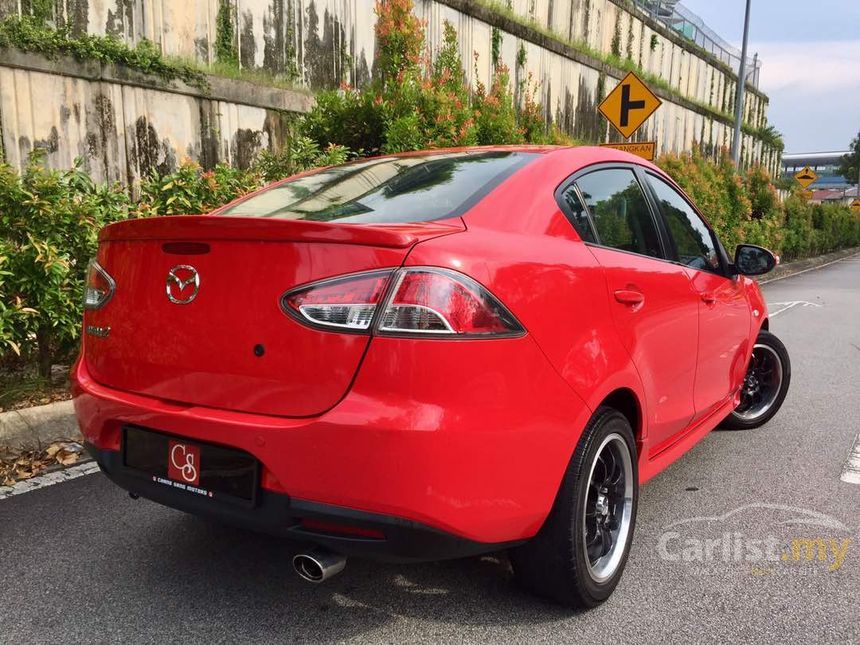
231 346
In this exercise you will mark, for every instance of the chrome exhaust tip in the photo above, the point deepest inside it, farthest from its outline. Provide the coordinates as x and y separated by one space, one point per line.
318 565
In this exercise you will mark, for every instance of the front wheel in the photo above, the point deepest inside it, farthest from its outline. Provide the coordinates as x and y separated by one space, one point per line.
579 554
765 384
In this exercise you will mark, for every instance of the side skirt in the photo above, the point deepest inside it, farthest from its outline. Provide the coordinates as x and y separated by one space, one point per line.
652 465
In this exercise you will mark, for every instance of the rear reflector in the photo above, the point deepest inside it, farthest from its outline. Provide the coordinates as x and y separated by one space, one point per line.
422 301
319 526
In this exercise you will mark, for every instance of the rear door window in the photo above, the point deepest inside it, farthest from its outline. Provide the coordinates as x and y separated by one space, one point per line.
416 188
620 212
692 237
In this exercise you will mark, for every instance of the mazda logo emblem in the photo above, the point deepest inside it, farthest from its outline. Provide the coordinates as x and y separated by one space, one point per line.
183 283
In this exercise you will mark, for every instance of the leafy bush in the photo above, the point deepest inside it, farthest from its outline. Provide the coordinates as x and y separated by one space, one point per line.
50 221
191 190
745 207
300 154
414 103
14 316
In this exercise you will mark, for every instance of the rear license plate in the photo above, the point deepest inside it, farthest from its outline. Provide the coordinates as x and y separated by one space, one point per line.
198 468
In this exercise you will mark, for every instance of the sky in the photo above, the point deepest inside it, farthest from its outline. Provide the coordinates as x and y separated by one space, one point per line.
810 54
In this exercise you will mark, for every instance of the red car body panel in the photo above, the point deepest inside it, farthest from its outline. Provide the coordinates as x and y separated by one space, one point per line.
395 444
208 358
469 437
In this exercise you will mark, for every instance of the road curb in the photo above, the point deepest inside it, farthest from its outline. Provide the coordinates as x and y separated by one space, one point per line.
807 264
34 427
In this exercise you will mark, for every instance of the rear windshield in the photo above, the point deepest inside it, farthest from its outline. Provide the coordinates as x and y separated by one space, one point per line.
387 190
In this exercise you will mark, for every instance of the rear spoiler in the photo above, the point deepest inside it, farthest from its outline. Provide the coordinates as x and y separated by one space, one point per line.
211 227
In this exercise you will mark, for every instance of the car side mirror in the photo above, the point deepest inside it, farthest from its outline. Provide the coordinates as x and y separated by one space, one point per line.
753 260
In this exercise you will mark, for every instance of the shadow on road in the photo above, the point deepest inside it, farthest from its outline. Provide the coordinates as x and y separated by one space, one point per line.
248 577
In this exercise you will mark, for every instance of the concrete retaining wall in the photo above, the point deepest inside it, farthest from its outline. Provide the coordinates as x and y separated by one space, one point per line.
124 124
74 110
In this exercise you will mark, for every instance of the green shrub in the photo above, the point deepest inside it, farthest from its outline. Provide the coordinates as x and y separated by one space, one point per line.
495 115
50 221
348 118
191 190
14 316
745 207
413 103
301 153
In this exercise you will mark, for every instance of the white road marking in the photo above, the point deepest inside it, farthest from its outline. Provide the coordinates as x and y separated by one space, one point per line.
58 477
851 469
785 306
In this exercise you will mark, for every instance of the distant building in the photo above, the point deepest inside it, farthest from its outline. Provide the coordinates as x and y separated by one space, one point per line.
825 165
834 195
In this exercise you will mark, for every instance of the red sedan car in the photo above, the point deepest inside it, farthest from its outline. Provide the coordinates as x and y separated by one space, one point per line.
427 356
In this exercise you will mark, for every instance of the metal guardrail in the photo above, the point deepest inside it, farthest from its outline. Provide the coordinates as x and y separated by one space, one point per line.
690 26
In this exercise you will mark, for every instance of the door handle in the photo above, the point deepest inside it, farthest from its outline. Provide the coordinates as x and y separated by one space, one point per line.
709 298
629 297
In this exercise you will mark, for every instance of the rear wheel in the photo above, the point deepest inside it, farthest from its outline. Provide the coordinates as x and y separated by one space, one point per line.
579 554
765 384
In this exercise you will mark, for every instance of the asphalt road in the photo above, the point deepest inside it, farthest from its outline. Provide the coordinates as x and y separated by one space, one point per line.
81 562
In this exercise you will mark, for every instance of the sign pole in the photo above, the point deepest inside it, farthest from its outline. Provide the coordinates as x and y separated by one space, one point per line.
739 99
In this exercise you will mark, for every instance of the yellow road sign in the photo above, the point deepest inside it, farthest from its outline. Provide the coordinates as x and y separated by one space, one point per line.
806 194
855 206
629 105
645 149
806 177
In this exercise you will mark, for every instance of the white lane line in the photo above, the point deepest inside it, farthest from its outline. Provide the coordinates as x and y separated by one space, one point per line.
29 485
851 469
785 306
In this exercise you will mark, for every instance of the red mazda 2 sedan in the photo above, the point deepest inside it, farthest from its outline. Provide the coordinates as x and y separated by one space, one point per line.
426 356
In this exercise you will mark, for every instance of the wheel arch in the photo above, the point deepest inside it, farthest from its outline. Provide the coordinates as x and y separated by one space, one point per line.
627 403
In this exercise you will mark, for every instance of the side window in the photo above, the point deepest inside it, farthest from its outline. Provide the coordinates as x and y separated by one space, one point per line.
619 211
692 237
576 213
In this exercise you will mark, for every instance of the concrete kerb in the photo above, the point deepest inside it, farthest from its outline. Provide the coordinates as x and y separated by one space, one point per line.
38 426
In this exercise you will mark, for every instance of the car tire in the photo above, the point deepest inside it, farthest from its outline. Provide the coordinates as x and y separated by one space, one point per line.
558 563
762 397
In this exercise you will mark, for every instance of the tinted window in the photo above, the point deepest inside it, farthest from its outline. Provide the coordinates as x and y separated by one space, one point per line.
619 211
692 237
576 213
391 189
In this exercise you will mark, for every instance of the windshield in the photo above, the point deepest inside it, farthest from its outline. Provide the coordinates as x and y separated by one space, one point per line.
387 190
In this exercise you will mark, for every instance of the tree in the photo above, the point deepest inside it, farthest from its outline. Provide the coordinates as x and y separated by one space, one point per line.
850 163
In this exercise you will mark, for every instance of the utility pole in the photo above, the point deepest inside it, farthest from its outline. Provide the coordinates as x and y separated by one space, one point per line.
739 99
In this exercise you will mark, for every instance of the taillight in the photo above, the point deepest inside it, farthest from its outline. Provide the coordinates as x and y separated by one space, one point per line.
428 300
347 303
100 286
421 301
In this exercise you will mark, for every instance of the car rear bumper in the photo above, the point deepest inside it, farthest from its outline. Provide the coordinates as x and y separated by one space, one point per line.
455 465
279 514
